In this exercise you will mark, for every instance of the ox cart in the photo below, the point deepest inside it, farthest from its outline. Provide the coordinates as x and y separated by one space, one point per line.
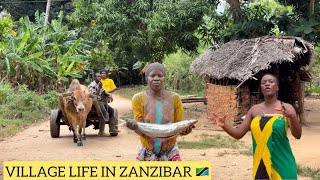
57 118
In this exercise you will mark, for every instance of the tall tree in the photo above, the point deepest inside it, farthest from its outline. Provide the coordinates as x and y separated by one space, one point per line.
265 17
236 10
311 7
142 30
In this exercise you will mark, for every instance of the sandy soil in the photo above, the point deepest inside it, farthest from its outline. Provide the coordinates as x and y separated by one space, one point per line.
35 143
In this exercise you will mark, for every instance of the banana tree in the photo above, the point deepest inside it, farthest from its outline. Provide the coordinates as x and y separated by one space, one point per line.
43 56
68 52
23 63
67 64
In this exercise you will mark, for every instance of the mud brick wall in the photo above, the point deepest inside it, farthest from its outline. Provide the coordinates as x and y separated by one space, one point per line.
222 100
244 100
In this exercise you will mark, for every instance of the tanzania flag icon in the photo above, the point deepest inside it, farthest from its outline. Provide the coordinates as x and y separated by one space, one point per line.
202 171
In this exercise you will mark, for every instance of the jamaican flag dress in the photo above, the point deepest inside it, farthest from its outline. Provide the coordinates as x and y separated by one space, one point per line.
272 154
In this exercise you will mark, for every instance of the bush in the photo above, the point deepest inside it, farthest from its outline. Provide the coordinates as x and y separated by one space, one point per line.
313 89
51 98
210 141
5 91
20 107
314 173
179 76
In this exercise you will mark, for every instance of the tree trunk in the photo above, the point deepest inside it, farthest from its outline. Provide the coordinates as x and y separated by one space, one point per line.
236 10
311 7
46 18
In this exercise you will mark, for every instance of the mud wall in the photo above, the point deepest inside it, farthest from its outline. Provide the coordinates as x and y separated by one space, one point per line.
222 100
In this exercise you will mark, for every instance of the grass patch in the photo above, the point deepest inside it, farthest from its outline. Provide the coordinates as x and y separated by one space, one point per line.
8 128
193 111
214 141
183 92
308 172
128 92
19 108
247 151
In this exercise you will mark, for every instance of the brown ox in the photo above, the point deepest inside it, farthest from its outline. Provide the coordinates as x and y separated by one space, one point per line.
75 108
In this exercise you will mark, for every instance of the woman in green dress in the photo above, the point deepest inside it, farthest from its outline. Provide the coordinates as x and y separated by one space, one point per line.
268 122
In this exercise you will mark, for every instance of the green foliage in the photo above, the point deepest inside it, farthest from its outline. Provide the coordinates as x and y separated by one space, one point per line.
128 92
307 28
119 73
19 107
179 76
206 142
258 19
315 70
101 57
57 6
51 98
314 88
6 25
20 8
140 30
5 92
43 57
25 100
301 6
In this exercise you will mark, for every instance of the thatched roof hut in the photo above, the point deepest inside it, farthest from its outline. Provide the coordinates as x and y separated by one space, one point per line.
240 63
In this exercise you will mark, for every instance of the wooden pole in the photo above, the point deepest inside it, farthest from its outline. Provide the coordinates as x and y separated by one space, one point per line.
300 100
46 19
301 105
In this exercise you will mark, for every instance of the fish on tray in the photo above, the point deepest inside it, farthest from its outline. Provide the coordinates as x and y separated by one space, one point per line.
165 130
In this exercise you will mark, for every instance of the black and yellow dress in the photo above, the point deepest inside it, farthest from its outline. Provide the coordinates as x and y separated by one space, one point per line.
272 154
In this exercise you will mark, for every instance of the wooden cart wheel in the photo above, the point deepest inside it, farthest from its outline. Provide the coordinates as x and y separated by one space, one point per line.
116 124
54 123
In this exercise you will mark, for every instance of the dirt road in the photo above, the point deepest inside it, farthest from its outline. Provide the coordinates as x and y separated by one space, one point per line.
36 144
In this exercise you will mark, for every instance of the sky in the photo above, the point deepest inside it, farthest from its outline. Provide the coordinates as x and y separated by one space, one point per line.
221 6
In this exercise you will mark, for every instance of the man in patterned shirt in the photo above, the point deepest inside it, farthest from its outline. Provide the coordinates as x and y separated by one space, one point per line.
95 88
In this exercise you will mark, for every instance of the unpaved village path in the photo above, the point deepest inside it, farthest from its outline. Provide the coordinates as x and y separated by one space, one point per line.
36 144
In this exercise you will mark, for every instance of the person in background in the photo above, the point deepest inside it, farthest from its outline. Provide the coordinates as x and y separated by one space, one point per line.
107 83
95 88
268 122
156 105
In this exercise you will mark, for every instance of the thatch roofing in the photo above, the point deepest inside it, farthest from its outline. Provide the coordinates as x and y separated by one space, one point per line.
241 59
